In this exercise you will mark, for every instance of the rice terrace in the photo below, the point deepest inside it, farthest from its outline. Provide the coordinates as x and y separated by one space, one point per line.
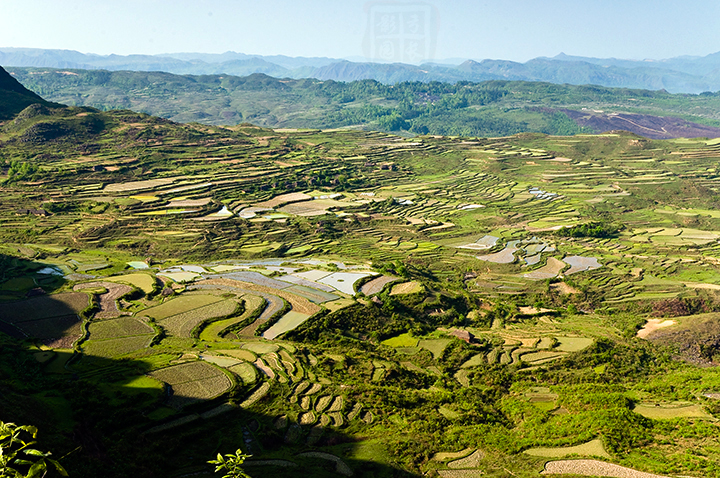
358 303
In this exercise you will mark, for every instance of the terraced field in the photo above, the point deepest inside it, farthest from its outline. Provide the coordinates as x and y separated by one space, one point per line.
182 324
107 300
193 382
375 298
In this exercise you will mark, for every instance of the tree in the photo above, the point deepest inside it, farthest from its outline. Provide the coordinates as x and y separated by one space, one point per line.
231 464
20 171
16 454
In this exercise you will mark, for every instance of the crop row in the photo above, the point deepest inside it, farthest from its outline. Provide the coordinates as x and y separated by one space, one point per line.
182 325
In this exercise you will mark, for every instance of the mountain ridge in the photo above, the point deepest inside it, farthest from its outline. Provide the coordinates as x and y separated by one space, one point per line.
677 75
490 108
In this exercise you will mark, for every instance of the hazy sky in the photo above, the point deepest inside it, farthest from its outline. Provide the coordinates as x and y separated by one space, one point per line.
499 29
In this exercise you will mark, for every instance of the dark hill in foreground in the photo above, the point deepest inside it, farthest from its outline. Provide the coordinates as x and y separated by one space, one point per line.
14 97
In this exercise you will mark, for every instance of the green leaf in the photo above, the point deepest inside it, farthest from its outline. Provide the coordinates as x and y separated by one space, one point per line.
34 452
28 428
38 469
58 467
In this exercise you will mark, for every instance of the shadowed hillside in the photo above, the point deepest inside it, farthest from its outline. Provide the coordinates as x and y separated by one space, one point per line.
14 97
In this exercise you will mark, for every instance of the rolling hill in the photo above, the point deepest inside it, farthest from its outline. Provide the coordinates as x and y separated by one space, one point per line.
491 108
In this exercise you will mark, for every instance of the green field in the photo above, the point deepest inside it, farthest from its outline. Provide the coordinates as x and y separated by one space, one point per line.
591 448
192 382
253 305
404 340
180 305
144 282
44 307
182 324
108 329
116 347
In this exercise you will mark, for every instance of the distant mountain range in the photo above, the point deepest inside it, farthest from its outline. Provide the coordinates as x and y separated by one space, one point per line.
676 75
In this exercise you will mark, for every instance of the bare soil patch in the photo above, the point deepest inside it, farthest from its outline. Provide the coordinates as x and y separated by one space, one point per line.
376 285
108 300
593 468
653 127
696 338
653 325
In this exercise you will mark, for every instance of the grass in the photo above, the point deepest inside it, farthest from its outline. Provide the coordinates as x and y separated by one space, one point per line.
541 357
475 360
193 382
669 410
253 305
116 347
403 340
57 364
289 321
144 282
183 324
338 304
412 287
123 327
161 413
43 357
573 344
260 347
591 448
44 307
18 284
141 390
59 408
435 346
246 372
180 305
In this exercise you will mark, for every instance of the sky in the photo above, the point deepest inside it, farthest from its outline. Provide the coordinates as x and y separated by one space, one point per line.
410 31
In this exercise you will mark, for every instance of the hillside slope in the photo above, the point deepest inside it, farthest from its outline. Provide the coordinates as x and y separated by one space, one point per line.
14 97
491 108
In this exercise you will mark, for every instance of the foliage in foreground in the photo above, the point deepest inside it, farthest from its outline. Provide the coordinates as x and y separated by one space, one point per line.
18 458
231 464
